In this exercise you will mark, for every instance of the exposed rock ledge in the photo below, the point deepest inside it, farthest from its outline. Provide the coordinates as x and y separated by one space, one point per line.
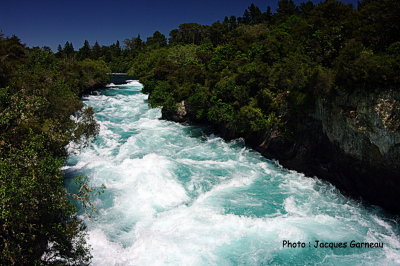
353 141
181 114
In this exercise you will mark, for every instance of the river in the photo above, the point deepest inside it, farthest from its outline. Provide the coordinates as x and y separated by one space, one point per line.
178 195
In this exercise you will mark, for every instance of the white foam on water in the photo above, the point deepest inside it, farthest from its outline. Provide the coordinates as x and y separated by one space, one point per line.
131 83
111 85
172 199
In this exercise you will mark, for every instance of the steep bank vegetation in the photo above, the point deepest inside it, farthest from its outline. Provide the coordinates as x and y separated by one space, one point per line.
262 72
314 86
257 76
39 93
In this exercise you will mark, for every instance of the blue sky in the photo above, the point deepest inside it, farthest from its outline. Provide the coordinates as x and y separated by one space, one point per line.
53 22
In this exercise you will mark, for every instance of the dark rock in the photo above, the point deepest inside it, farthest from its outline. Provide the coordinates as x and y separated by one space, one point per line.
353 141
181 115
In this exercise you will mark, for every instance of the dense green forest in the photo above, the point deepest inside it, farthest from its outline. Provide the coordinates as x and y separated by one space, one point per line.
39 92
249 76
260 74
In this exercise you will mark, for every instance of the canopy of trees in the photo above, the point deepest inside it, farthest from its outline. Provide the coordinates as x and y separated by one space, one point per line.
254 75
38 94
260 73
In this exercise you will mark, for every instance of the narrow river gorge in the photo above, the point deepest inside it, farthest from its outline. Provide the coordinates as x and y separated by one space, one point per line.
178 195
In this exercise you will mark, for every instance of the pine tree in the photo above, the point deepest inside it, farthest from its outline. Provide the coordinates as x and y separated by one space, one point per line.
246 17
68 49
267 15
96 51
138 43
232 23
59 51
255 14
226 21
85 51
116 49
286 8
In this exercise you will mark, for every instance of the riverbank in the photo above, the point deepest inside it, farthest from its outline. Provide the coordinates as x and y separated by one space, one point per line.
179 194
350 140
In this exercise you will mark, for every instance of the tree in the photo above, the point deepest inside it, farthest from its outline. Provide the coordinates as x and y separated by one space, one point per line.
39 224
286 8
96 51
305 8
267 15
333 24
12 54
59 50
85 51
226 20
68 50
116 49
255 14
189 33
246 17
134 45
380 23
232 23
217 32
157 40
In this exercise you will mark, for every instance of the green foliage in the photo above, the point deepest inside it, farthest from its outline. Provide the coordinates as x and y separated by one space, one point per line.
220 112
359 68
251 119
93 73
39 223
96 51
394 49
379 23
199 102
134 45
255 76
260 74
229 91
157 40
85 51
12 54
292 73
161 96
36 216
189 33
286 8
150 65
183 55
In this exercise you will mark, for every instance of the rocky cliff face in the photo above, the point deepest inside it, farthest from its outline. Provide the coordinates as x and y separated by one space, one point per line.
364 126
360 145
351 140
181 114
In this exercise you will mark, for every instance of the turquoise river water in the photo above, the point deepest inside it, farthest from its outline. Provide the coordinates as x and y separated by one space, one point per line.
177 195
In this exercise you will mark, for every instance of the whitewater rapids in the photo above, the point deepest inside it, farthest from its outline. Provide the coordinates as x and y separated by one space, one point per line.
177 195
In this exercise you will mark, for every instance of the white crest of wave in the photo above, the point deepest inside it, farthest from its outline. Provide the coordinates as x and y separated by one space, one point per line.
167 192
